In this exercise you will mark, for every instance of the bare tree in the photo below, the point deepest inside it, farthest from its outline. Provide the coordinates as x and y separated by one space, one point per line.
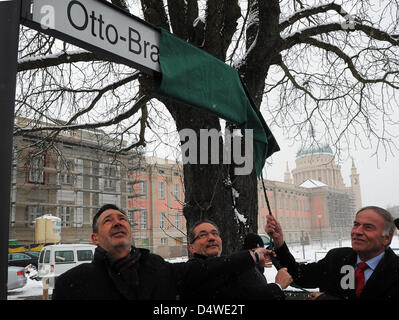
333 64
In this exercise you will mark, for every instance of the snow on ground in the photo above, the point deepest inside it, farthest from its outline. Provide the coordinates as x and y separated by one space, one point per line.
34 289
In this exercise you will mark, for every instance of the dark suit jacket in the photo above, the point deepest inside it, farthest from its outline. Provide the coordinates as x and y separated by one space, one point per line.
229 285
100 280
156 279
328 274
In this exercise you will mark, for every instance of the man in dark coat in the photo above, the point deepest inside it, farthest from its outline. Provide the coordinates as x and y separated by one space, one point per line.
107 278
120 271
371 235
205 245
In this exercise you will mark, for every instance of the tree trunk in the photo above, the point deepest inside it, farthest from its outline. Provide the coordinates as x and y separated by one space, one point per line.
208 190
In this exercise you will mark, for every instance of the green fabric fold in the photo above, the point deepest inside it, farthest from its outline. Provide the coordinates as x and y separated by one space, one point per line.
194 77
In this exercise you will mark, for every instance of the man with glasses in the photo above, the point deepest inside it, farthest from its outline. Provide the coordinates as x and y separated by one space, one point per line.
205 239
205 243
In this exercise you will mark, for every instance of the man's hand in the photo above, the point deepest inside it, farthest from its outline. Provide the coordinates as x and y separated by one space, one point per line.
315 295
283 278
273 227
264 256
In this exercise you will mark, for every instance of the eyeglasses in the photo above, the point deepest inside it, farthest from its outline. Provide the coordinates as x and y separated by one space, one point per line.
204 234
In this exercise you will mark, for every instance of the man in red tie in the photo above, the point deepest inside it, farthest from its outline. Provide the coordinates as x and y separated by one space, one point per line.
367 270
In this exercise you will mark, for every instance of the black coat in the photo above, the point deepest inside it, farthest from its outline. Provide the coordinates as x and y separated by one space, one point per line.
247 285
328 273
99 280
156 279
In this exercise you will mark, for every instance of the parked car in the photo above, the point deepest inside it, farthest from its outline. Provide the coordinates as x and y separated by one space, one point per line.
22 259
35 253
58 258
16 278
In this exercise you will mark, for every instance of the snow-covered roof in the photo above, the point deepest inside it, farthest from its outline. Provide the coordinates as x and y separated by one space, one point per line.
49 217
310 183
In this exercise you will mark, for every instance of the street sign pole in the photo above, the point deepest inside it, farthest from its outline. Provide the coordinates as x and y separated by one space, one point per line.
9 35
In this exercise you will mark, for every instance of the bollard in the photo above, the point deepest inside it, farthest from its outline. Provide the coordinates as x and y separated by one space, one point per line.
45 282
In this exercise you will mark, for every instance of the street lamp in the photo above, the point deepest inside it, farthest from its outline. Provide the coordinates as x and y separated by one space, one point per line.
321 236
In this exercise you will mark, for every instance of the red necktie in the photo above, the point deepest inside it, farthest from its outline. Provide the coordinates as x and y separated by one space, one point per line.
359 277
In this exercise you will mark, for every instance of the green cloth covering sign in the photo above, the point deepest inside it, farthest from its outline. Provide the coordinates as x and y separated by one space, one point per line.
194 77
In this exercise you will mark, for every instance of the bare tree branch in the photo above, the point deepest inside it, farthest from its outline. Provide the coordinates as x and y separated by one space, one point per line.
45 61
143 122
349 62
137 106
308 12
301 35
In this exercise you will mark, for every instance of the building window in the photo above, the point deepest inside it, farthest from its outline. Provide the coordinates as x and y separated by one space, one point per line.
36 169
109 177
177 220
143 189
161 190
65 216
164 241
66 172
130 187
143 220
145 243
33 212
176 191
162 220
130 217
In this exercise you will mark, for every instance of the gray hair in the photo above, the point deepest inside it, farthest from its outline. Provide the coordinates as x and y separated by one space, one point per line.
389 227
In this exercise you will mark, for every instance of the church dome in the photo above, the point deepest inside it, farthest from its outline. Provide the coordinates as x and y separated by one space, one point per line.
315 150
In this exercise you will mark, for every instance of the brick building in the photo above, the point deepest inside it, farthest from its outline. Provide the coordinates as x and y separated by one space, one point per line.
155 207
